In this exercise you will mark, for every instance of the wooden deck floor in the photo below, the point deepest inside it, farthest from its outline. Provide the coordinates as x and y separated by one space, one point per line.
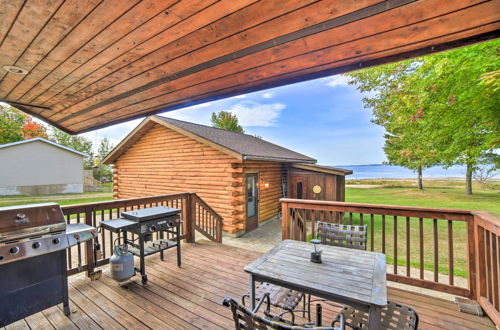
190 297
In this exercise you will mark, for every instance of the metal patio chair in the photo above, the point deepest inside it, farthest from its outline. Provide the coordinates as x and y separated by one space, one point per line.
245 319
394 316
335 234
285 299
349 236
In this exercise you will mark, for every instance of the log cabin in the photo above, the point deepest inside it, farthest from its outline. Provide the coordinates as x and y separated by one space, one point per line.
240 176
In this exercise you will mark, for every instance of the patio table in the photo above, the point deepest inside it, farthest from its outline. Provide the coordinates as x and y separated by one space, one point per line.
348 276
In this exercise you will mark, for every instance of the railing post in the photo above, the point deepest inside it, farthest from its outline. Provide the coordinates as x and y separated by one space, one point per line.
285 221
189 218
89 245
471 258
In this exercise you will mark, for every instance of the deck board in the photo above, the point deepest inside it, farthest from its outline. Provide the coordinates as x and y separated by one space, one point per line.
190 297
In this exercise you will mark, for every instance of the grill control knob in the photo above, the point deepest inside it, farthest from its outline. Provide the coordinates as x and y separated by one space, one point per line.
152 228
36 245
14 250
56 240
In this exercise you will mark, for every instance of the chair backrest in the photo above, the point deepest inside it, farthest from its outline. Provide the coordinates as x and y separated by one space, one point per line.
244 319
394 316
349 236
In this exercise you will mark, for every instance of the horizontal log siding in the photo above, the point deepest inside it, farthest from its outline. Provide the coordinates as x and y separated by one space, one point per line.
269 197
164 162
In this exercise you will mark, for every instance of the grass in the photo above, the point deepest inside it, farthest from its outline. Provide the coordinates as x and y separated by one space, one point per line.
449 196
62 199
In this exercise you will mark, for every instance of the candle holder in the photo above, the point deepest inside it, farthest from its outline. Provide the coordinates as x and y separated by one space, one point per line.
316 254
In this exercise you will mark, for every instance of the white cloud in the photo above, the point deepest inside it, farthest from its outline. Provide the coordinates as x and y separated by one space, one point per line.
268 95
256 114
338 80
242 96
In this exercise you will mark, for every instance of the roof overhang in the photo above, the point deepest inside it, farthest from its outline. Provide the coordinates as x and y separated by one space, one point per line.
322 169
94 63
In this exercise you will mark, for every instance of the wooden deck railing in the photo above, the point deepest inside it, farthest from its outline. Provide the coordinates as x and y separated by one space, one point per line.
452 251
487 263
195 215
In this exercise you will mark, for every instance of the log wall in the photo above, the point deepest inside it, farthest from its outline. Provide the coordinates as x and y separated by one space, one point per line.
164 161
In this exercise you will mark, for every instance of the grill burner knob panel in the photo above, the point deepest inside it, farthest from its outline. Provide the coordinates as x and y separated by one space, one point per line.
14 250
36 245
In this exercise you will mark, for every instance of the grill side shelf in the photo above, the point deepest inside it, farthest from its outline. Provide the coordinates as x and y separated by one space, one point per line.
152 247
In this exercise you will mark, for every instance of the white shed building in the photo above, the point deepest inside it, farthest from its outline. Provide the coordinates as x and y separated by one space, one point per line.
38 166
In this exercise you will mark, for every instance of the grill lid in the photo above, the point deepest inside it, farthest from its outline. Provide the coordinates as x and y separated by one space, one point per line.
30 220
150 213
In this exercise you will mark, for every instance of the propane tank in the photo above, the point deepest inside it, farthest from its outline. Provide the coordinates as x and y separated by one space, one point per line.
122 263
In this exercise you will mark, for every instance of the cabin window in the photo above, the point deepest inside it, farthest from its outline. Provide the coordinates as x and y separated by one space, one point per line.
299 189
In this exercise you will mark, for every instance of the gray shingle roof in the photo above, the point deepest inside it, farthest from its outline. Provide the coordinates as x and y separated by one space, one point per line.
250 147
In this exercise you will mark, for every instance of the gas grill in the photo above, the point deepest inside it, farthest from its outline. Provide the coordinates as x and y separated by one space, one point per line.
144 223
33 271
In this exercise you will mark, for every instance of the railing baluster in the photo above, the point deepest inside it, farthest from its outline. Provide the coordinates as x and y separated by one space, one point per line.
421 239
407 246
494 268
372 231
395 226
489 280
450 254
361 219
70 262
436 251
350 218
383 233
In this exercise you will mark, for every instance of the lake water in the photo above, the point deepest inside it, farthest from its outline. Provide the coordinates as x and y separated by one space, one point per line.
381 171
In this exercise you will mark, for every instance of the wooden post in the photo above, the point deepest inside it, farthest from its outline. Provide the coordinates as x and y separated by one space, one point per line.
285 221
189 218
89 245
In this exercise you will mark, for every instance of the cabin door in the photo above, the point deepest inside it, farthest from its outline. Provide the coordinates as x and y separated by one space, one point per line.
252 201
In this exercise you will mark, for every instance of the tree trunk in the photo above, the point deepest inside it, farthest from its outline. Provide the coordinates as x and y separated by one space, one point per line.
468 180
420 181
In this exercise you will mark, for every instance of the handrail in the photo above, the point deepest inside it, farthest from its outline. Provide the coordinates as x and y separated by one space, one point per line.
422 243
208 221
93 213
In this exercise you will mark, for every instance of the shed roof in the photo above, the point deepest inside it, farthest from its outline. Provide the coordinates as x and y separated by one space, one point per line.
239 145
13 144
322 169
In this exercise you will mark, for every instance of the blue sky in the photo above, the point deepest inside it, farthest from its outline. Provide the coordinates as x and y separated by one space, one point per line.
322 118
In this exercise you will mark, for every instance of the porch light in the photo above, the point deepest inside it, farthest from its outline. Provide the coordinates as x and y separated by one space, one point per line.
15 70
265 183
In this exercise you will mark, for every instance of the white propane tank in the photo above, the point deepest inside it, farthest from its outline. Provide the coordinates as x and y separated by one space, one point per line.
122 263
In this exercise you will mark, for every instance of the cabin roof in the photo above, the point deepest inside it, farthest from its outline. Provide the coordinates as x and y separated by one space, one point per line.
13 144
238 145
322 169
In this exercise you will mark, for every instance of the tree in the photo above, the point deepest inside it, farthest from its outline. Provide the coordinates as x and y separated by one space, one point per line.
104 171
445 108
226 120
394 108
16 126
78 143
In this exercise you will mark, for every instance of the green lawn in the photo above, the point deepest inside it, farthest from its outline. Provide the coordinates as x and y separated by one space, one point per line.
444 197
62 199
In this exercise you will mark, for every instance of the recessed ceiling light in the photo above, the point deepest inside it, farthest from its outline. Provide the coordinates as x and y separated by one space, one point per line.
15 69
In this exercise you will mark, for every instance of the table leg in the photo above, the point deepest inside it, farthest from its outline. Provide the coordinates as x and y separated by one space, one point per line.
252 292
374 318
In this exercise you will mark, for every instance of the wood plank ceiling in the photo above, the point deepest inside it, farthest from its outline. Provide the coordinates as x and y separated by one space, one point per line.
94 63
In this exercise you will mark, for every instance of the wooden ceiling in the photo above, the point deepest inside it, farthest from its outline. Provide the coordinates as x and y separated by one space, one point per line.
94 63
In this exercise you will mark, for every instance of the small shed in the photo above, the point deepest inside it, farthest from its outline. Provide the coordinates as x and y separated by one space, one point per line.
240 176
39 166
